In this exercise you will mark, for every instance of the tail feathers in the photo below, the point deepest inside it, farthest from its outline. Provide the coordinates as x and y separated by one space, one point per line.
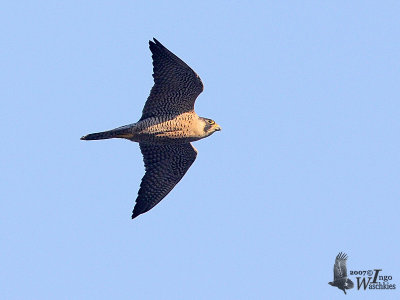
121 132
98 136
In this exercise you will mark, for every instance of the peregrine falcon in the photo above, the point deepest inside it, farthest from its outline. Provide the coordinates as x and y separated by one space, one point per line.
166 129
340 279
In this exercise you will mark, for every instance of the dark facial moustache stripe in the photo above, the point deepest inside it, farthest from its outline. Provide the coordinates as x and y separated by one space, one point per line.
207 127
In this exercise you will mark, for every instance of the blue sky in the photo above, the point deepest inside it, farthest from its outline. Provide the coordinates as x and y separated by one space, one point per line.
306 166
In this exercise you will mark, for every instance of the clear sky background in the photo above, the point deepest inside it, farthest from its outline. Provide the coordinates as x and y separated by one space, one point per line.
307 164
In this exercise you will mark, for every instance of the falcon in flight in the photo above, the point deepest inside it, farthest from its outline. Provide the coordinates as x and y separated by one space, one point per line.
166 129
340 279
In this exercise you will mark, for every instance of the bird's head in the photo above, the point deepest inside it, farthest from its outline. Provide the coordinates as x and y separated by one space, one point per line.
210 126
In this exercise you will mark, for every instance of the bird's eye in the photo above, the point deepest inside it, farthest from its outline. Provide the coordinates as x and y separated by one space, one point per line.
211 122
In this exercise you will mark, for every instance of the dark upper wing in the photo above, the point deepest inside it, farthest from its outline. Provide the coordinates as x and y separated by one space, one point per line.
340 269
165 166
176 85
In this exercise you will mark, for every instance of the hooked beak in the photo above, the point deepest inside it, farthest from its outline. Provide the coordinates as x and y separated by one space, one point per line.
217 127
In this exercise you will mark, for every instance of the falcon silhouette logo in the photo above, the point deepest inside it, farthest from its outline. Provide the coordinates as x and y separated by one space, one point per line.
340 279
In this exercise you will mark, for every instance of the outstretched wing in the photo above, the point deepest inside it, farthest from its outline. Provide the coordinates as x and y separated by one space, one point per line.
176 85
165 166
340 269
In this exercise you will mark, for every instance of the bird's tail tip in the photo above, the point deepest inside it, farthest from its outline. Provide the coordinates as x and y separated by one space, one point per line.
92 136
101 136
120 132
